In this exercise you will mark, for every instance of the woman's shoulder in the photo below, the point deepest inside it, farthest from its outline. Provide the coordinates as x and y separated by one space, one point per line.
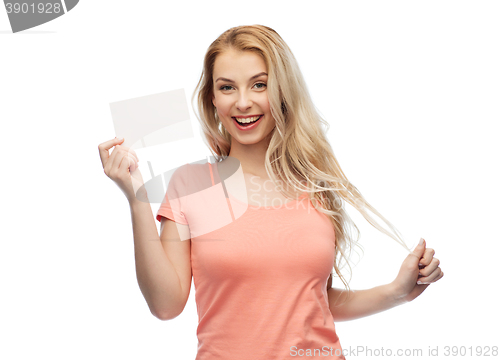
190 170
190 178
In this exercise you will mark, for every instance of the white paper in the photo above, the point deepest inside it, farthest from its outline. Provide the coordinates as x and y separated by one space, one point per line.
152 119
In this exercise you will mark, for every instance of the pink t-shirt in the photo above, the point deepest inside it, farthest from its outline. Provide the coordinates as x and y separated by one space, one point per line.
260 273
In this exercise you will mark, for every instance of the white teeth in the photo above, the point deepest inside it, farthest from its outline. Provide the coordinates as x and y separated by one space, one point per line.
247 120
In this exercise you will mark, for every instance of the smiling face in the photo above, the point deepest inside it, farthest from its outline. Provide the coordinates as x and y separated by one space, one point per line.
240 92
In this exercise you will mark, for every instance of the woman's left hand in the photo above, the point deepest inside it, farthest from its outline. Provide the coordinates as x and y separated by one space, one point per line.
419 270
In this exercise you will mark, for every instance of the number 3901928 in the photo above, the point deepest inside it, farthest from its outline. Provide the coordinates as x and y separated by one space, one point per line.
471 351
48 8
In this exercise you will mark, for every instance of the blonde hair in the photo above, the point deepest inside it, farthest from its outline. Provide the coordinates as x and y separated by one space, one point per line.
298 146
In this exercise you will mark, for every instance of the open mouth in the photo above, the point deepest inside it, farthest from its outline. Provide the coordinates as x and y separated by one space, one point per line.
247 121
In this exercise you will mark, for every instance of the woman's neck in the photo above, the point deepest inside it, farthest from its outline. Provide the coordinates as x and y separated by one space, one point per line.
251 157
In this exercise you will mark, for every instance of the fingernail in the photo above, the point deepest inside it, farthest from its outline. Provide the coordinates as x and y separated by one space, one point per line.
419 282
421 241
119 138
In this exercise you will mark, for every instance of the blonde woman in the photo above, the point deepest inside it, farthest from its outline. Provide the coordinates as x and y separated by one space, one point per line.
262 272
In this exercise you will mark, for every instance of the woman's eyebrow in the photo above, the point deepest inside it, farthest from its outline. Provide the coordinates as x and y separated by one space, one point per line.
229 80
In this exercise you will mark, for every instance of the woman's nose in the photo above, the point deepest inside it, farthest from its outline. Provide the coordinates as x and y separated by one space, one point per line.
244 102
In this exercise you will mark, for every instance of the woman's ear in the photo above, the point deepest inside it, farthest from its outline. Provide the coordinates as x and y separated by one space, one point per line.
213 100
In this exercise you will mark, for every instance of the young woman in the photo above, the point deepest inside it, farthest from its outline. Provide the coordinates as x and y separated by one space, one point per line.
262 273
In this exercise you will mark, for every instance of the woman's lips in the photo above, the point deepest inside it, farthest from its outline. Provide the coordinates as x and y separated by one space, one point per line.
247 127
248 118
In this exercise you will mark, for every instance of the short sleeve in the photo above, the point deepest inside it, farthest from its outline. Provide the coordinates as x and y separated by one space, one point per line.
172 206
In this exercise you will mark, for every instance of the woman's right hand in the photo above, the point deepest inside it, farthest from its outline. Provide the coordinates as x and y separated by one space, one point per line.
122 167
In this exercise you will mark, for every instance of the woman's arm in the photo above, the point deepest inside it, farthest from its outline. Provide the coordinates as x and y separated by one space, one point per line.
361 303
418 270
162 262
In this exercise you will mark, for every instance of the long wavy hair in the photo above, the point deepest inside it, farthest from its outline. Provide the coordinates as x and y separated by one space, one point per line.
298 153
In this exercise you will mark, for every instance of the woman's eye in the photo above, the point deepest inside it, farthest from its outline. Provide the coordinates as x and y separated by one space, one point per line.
260 87
225 87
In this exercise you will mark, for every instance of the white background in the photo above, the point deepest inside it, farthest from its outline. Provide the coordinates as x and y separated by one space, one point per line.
410 90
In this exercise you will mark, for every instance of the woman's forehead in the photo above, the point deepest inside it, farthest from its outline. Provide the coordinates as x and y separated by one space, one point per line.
241 64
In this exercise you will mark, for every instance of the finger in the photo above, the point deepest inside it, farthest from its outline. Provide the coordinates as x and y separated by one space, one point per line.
118 156
442 274
111 162
133 163
122 153
132 152
104 149
426 271
427 258
123 167
418 251
128 163
128 151
437 274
